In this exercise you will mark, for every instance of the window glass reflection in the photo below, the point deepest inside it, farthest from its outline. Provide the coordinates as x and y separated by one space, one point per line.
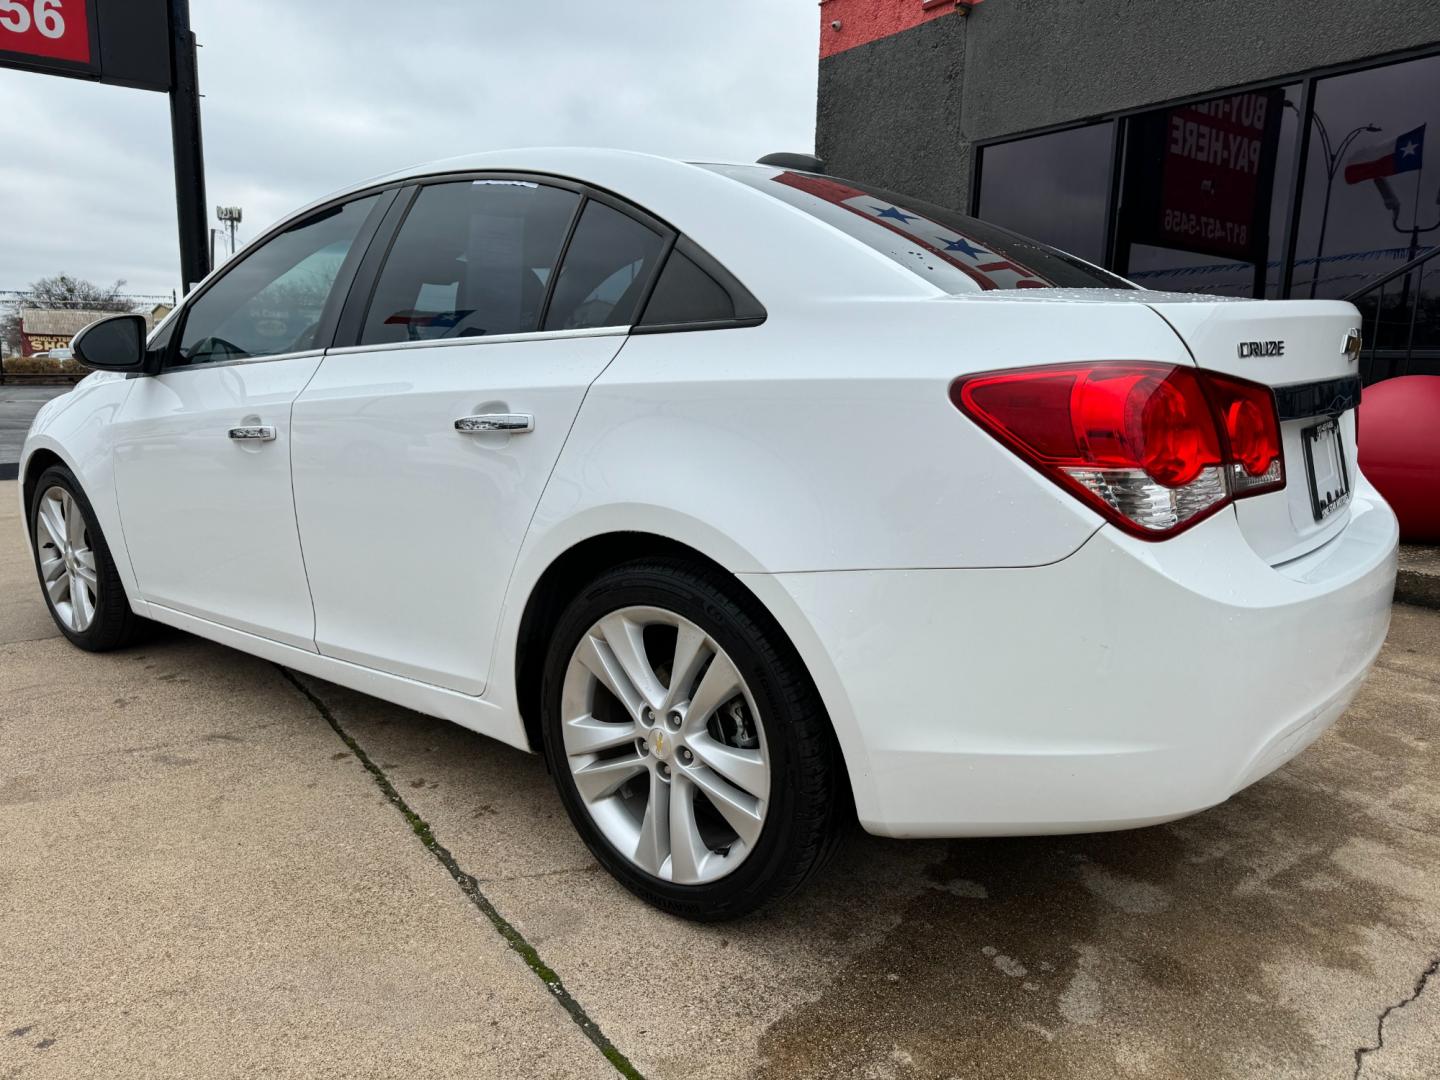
1372 202
1052 187
1206 193
1381 192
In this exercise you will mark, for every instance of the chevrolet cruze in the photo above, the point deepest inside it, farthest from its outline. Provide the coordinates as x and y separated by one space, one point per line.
755 499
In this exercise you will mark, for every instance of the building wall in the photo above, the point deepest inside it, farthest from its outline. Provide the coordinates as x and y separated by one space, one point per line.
903 110
889 112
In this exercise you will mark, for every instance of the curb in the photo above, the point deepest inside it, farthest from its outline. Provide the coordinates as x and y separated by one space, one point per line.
1418 588
1417 581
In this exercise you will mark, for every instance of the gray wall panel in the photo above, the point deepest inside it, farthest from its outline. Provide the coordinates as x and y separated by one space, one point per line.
904 110
889 112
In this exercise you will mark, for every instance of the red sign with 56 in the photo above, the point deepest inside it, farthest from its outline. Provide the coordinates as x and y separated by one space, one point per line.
46 29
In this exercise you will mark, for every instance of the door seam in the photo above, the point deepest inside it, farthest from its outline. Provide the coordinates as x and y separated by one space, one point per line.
119 507
530 522
295 506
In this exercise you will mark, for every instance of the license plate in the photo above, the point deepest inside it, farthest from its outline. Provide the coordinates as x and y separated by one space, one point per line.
1325 465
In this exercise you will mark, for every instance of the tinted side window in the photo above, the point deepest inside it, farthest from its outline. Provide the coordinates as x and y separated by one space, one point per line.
271 301
606 267
472 258
687 294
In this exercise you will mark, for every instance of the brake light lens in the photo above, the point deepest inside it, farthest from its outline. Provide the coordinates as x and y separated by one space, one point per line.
1154 448
1252 428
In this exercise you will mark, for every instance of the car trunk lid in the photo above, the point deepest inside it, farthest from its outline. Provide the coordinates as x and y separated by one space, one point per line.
1298 348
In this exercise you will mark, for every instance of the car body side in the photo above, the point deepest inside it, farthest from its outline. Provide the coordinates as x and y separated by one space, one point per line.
818 458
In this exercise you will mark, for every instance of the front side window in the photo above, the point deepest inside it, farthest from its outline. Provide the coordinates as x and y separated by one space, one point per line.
952 251
607 265
473 258
271 302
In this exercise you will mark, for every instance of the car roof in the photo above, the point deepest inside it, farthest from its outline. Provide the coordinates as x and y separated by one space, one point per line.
772 247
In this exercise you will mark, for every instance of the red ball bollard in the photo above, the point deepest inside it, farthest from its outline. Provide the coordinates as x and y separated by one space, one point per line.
1400 451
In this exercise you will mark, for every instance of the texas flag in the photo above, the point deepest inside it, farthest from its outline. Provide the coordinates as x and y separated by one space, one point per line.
1378 162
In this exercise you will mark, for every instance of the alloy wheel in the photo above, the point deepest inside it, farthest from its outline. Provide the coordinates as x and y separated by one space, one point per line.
665 745
67 561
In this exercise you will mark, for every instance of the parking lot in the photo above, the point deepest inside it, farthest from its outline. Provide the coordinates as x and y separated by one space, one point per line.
214 867
18 406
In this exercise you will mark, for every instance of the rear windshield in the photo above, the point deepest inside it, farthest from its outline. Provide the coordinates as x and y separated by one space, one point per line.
952 251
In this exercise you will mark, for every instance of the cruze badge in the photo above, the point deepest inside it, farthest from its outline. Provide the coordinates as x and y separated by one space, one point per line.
1248 349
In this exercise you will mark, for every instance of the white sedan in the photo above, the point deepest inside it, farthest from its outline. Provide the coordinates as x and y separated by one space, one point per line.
755 499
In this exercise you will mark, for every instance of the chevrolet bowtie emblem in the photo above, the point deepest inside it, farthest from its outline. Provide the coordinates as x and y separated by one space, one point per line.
1352 344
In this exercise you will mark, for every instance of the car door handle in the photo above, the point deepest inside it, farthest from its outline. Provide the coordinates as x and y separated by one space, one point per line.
257 432
512 423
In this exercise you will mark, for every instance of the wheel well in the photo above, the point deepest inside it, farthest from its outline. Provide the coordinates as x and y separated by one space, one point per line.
39 461
565 577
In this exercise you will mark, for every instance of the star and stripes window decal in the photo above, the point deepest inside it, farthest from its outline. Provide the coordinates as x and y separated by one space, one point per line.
986 268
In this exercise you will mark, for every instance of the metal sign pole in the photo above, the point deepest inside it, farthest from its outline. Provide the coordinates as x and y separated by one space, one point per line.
190 201
146 44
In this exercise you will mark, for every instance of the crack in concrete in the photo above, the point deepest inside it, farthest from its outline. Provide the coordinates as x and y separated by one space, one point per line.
538 874
1361 1052
470 886
1402 669
30 640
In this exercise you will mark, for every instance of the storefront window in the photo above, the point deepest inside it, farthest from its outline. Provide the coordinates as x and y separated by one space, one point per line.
1372 197
1204 198
1368 154
1054 188
1206 193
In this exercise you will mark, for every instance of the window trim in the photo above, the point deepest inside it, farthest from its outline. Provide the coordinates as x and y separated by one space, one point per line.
487 339
362 287
330 313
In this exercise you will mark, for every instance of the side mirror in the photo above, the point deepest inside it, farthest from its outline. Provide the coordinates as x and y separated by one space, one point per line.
116 343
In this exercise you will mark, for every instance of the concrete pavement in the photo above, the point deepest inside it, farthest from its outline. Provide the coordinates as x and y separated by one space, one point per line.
202 879
199 879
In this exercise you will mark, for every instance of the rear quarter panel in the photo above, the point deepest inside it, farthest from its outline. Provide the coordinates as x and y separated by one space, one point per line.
825 438
822 440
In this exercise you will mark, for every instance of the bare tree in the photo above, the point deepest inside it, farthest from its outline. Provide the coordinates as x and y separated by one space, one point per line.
60 291
64 291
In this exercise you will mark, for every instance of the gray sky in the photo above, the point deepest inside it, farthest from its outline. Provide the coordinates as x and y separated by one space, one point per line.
303 98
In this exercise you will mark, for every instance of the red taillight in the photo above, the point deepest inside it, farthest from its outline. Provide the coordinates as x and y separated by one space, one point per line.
1153 447
1252 429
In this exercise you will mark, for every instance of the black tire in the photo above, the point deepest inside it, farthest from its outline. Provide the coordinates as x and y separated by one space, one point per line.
809 799
114 625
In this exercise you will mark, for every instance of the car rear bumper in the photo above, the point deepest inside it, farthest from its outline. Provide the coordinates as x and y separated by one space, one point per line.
1129 684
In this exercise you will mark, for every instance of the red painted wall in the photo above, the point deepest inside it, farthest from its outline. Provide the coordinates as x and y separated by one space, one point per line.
863 21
